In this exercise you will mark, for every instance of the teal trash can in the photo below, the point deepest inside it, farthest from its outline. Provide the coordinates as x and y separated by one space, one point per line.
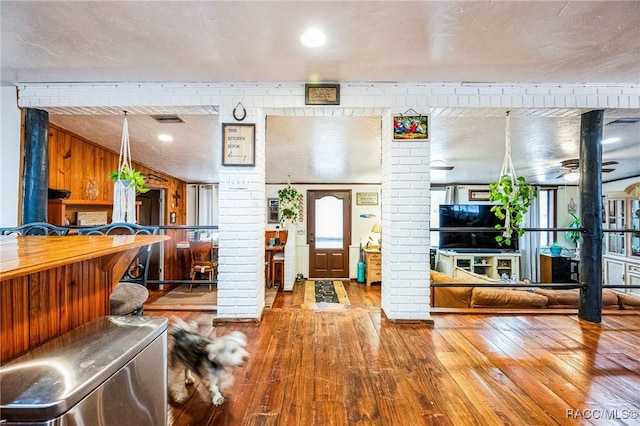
361 271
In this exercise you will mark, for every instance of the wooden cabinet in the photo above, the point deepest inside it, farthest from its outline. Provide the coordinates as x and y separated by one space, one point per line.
558 269
621 260
373 265
492 265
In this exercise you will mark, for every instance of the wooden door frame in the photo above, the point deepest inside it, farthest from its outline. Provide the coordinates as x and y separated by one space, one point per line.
343 194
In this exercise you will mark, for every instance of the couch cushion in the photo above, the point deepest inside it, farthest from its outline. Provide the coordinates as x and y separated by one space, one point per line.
628 301
454 297
504 298
464 276
570 299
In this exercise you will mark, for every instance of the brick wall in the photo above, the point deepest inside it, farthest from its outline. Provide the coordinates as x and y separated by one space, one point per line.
405 175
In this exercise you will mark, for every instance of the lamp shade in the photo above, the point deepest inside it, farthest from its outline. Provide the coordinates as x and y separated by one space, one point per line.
377 228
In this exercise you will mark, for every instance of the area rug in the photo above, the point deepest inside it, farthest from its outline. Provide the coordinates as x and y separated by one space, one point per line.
325 291
198 299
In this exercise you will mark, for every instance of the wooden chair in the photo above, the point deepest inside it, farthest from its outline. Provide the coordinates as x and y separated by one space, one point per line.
129 296
202 260
35 228
277 269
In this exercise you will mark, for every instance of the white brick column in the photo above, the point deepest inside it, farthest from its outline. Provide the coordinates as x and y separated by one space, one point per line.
241 229
405 226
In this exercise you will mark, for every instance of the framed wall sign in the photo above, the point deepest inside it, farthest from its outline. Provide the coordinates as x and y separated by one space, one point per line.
273 210
367 198
238 144
322 94
411 128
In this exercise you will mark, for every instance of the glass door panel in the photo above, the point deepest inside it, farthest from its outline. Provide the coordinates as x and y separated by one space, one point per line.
329 229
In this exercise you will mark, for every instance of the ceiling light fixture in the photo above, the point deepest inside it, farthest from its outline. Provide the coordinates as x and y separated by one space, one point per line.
572 177
313 37
163 137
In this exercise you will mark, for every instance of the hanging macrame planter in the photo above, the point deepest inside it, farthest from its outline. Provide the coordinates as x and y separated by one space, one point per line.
513 195
124 189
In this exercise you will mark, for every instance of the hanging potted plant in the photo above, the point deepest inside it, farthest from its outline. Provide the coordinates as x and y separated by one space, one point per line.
514 198
513 195
130 177
290 205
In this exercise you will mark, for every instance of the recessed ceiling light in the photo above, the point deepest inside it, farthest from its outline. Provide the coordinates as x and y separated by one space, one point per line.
165 138
610 140
313 37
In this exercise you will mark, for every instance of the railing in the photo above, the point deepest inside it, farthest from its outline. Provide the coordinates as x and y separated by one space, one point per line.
554 286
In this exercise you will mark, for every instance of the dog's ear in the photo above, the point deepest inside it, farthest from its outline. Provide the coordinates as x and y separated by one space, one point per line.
239 337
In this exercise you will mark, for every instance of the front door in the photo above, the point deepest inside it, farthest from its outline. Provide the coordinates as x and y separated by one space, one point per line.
329 233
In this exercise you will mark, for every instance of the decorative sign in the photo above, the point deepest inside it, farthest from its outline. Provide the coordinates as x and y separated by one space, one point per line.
411 128
475 195
238 144
322 94
367 198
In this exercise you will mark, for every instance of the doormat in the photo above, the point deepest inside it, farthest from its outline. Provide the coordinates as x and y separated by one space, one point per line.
325 291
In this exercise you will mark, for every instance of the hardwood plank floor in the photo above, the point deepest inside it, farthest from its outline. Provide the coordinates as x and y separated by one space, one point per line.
352 366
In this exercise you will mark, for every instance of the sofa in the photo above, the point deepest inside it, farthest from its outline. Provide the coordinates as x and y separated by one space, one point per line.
481 296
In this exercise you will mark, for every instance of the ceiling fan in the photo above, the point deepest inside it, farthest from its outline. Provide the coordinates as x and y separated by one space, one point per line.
572 165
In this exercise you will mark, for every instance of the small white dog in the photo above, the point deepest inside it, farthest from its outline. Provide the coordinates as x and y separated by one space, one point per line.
213 359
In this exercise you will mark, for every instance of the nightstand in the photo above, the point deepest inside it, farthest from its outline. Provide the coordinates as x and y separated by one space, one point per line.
373 262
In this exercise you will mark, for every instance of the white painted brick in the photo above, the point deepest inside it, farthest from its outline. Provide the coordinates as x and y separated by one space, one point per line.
537 90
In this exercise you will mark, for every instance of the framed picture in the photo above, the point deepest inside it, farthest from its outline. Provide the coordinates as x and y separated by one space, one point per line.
273 210
411 127
479 195
238 144
367 198
322 94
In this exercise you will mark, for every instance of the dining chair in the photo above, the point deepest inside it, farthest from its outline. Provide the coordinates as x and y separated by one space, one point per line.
35 228
202 260
129 296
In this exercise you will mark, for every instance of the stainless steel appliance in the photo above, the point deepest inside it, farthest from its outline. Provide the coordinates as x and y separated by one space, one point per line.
111 371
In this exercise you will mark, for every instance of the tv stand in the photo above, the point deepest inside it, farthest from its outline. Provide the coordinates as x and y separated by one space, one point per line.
489 263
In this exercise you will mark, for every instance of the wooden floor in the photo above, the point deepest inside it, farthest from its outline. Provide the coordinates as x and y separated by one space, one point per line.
352 366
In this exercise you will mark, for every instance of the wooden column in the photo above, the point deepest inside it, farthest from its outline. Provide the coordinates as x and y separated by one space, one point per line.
36 166
590 308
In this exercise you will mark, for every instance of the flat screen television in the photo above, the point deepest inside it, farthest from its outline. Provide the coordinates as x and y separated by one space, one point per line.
475 216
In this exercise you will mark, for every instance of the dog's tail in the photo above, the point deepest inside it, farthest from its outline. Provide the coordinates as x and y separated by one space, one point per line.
177 324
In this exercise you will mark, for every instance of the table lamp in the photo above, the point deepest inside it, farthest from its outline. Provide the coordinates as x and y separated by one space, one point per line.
377 229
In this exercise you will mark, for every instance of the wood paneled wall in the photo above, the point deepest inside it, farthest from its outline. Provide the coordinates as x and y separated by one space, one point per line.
74 161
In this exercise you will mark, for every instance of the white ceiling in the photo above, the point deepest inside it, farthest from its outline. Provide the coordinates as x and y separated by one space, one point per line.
570 42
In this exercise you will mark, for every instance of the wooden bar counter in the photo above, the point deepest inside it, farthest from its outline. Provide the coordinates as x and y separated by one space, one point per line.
51 285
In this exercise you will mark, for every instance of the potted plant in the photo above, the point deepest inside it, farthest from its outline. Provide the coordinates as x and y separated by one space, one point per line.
555 249
290 205
514 198
574 236
129 177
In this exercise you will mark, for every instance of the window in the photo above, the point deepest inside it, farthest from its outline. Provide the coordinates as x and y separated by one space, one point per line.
547 202
438 195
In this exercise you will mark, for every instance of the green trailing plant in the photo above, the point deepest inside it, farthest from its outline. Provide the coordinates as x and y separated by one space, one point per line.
131 175
290 205
574 236
514 199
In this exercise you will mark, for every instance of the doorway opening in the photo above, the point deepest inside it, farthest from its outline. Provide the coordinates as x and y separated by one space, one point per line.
151 213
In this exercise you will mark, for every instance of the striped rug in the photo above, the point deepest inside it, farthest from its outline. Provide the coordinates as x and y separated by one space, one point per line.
310 295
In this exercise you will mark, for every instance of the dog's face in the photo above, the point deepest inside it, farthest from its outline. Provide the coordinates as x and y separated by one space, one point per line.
229 350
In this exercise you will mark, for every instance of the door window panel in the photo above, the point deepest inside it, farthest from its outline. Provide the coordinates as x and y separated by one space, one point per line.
329 224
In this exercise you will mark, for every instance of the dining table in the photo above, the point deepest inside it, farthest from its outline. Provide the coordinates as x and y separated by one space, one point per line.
50 285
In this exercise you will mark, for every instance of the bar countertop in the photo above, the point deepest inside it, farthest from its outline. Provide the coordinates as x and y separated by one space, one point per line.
22 255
